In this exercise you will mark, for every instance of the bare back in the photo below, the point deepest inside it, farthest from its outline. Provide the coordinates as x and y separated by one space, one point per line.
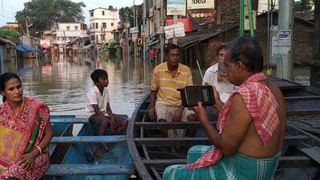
252 144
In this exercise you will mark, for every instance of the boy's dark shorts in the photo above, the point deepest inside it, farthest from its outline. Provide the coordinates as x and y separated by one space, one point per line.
96 119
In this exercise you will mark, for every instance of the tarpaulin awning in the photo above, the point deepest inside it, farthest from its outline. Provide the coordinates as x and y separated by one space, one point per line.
25 48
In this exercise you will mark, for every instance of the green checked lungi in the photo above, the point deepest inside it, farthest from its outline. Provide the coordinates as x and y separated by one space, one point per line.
236 167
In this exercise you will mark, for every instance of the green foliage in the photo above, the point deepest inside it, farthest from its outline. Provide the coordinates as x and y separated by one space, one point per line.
41 15
303 5
9 33
126 15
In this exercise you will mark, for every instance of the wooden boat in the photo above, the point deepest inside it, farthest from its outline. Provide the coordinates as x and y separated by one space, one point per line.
76 163
300 156
56 151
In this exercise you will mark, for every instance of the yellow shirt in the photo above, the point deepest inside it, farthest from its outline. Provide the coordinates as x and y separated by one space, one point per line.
167 85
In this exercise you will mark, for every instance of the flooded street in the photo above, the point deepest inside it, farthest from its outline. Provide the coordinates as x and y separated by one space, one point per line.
62 84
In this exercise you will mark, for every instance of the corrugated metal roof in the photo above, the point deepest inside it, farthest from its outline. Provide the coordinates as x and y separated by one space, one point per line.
204 34
7 41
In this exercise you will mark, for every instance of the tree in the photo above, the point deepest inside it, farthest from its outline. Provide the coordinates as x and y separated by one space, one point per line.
9 33
40 15
126 15
303 5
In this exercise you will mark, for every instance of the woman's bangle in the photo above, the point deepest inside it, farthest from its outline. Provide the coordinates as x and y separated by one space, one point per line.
39 149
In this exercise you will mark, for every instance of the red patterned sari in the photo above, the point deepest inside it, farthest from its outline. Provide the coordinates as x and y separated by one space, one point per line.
15 135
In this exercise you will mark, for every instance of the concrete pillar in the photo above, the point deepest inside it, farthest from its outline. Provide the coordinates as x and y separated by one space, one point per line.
285 36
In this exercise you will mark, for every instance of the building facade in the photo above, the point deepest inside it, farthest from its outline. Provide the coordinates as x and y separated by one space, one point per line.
66 32
102 22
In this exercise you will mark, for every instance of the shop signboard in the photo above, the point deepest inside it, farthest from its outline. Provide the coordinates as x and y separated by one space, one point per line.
200 4
176 7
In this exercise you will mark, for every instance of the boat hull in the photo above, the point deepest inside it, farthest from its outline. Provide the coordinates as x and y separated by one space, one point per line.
76 163
150 151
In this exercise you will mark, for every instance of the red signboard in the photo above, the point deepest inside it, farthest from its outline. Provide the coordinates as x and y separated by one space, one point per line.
186 22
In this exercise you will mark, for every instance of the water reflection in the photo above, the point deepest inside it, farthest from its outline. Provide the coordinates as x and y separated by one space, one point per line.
63 83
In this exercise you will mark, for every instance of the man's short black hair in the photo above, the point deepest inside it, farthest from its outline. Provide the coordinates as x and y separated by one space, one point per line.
98 73
247 50
169 47
223 46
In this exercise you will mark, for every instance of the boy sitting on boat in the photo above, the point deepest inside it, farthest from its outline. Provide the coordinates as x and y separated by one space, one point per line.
98 108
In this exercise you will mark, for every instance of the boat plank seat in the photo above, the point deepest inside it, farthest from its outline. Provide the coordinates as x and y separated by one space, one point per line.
77 120
312 152
169 125
52 147
303 112
70 120
89 169
302 105
89 139
285 162
163 141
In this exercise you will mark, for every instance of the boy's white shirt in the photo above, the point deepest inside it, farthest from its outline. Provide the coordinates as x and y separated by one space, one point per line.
94 97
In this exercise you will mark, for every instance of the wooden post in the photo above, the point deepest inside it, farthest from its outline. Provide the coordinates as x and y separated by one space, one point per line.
175 21
315 70
27 27
64 45
162 40
218 11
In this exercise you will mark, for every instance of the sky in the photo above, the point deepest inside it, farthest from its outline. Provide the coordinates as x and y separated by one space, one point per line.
8 8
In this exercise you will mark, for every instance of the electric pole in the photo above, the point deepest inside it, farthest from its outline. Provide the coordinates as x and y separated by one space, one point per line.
285 36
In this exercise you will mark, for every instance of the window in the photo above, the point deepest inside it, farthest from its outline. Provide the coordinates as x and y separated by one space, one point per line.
76 28
103 37
102 13
112 24
97 26
104 25
91 14
68 28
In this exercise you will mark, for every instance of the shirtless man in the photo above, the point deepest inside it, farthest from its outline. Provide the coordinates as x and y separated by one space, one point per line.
250 131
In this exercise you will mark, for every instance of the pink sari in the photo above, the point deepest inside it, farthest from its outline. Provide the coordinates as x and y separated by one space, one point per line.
15 134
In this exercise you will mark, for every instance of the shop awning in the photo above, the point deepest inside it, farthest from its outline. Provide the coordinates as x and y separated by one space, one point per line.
25 48
197 37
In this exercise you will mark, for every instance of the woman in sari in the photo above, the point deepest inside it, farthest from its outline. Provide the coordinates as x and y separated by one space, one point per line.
25 132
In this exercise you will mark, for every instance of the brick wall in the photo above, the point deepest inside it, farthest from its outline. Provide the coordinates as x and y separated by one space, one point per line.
230 10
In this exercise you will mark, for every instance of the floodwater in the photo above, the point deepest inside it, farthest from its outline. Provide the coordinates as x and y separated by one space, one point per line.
62 83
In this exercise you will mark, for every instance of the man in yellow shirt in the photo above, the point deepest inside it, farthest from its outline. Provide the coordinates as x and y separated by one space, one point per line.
165 99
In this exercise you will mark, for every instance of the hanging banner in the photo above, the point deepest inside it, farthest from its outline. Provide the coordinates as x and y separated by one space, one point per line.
185 21
169 31
174 30
176 7
179 30
200 4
